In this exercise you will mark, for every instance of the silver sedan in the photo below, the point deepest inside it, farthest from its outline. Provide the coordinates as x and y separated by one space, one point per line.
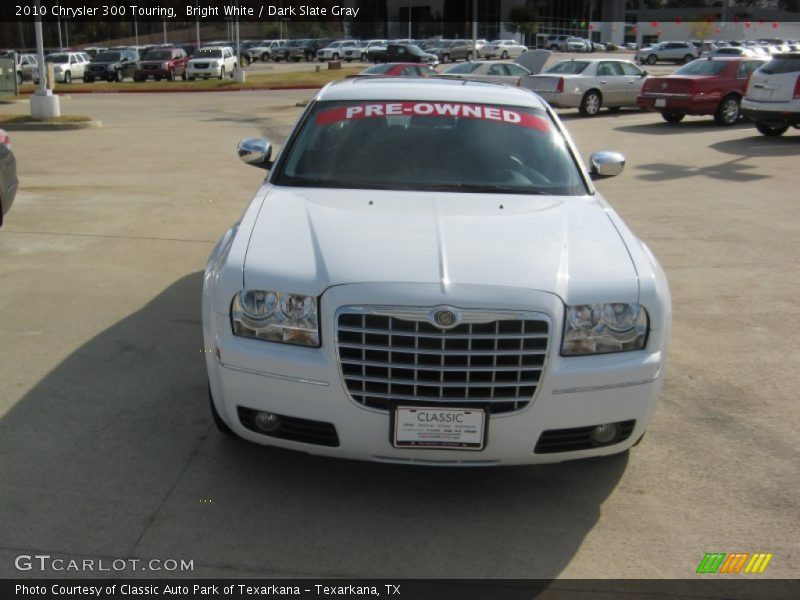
481 70
589 84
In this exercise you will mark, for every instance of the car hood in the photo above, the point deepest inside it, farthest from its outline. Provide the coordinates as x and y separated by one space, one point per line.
306 240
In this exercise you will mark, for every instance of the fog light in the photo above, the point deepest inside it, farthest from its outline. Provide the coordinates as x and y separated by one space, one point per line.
605 434
267 422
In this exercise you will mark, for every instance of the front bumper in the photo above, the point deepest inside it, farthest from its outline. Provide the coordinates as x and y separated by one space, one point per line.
144 73
772 113
306 383
192 71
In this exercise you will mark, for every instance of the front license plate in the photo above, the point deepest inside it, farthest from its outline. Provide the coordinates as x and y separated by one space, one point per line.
661 102
446 428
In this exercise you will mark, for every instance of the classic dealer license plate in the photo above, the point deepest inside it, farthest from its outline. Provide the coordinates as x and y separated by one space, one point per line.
456 428
661 102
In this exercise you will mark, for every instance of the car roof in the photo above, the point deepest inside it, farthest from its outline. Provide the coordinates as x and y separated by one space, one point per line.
432 90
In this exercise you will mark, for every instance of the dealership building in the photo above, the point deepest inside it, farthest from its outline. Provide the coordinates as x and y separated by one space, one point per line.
617 21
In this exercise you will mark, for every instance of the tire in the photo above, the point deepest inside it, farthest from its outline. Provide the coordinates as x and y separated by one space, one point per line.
771 130
445 58
673 117
554 48
265 57
335 56
469 56
67 77
88 79
190 78
363 57
220 424
138 79
591 103
171 75
222 72
157 77
504 55
118 77
651 59
687 59
19 78
727 112
309 57
184 76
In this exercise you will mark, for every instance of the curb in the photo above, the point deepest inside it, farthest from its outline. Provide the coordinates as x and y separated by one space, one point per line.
185 91
54 126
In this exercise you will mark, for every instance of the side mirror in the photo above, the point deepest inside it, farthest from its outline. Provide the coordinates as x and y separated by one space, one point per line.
255 152
645 73
606 164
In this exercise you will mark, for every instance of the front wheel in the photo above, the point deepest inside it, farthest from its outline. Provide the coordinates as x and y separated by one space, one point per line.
336 56
363 57
727 112
19 78
651 60
118 77
504 55
222 73
673 116
771 130
67 77
469 56
309 56
445 58
591 103
171 75
687 59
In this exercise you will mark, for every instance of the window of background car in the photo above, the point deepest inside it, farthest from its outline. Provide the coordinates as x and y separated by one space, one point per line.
630 69
573 67
377 69
438 146
781 65
463 68
159 55
209 53
107 56
702 67
57 58
516 70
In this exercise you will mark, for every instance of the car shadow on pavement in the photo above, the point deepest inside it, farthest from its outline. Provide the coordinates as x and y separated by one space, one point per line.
761 146
733 171
698 125
113 454
604 113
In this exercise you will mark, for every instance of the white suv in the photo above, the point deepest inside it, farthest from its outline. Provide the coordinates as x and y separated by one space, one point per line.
335 50
212 61
266 49
66 66
677 52
773 95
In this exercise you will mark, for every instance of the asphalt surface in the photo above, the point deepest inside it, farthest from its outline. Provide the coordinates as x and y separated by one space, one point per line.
107 449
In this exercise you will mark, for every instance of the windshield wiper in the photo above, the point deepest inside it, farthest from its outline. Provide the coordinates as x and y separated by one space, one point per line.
477 187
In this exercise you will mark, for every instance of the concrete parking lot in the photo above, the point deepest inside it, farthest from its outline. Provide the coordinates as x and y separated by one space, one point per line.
107 449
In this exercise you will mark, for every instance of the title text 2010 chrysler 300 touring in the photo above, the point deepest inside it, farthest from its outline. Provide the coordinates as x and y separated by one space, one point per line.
429 276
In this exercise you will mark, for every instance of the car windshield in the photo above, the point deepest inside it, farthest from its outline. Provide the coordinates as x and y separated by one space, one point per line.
107 57
209 53
432 146
57 58
377 69
414 49
159 55
573 67
702 67
467 67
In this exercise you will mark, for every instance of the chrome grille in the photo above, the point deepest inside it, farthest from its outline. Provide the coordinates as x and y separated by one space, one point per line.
495 363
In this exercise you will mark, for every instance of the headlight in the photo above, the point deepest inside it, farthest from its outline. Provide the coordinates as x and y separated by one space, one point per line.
164 66
604 328
276 317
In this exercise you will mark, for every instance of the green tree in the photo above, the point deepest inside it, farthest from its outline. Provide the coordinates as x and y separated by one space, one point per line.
523 20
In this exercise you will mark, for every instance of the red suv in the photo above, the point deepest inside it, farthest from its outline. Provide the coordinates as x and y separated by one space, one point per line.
168 63
707 86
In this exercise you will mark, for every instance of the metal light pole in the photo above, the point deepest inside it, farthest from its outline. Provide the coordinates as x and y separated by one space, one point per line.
136 31
197 24
44 105
66 31
164 23
475 28
409 19
60 43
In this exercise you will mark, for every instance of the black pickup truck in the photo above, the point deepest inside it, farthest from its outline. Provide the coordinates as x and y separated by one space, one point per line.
297 50
401 53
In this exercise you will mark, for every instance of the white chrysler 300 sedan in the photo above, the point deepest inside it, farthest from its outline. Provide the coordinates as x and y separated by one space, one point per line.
428 276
